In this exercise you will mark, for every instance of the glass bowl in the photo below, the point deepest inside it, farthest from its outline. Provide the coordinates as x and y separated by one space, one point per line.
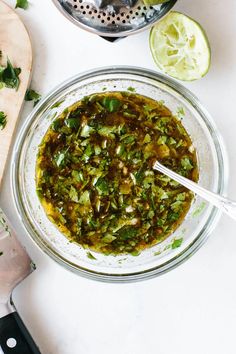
201 218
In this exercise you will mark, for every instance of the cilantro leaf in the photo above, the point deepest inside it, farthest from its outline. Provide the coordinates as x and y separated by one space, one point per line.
186 163
23 4
111 104
10 76
3 120
90 256
177 243
32 95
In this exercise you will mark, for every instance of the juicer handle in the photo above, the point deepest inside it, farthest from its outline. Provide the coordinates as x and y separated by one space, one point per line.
111 39
14 337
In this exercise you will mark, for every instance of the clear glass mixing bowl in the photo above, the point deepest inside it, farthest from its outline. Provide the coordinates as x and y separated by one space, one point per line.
201 218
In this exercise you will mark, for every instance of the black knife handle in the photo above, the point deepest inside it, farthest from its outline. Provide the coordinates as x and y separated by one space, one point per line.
14 337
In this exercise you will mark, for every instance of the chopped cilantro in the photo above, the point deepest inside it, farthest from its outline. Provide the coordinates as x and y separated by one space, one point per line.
180 112
57 104
32 95
173 216
23 4
177 243
102 186
3 120
9 76
131 89
95 173
186 163
73 194
90 256
60 158
111 104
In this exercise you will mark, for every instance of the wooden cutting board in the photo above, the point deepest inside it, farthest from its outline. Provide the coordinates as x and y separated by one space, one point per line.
14 44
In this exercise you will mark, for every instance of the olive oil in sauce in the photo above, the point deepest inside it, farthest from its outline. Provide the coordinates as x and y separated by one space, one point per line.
95 178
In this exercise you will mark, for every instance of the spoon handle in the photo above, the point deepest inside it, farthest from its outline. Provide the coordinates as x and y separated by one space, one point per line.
226 205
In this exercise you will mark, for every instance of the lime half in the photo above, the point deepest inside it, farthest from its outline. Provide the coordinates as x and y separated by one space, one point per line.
180 47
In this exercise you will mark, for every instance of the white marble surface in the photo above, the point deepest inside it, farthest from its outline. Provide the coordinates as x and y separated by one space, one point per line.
192 309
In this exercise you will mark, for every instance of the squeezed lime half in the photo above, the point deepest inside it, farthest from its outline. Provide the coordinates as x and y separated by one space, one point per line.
180 47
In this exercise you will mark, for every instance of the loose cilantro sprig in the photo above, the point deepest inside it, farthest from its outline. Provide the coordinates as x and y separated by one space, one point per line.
3 120
23 4
32 95
9 76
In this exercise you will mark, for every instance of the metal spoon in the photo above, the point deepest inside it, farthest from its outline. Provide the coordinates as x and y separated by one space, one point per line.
226 205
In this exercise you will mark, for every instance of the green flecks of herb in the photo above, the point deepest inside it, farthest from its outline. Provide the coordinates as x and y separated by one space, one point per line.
73 194
135 253
97 150
139 175
131 89
186 163
150 214
171 141
9 76
93 223
147 108
56 124
177 243
160 222
162 208
60 158
23 4
108 238
87 153
164 179
172 216
162 194
3 120
147 139
111 104
157 253
120 150
180 112
32 95
199 209
176 206
73 123
127 232
161 124
77 175
57 104
128 139
174 183
129 115
1 253
107 131
181 196
180 143
90 256
162 140
102 186
85 198
86 131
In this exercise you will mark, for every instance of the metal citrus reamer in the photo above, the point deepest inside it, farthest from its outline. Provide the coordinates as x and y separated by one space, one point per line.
113 18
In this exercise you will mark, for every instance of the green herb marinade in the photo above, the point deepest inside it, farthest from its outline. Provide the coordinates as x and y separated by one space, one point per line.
95 178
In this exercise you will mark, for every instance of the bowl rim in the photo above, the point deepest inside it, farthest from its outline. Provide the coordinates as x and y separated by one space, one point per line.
177 259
